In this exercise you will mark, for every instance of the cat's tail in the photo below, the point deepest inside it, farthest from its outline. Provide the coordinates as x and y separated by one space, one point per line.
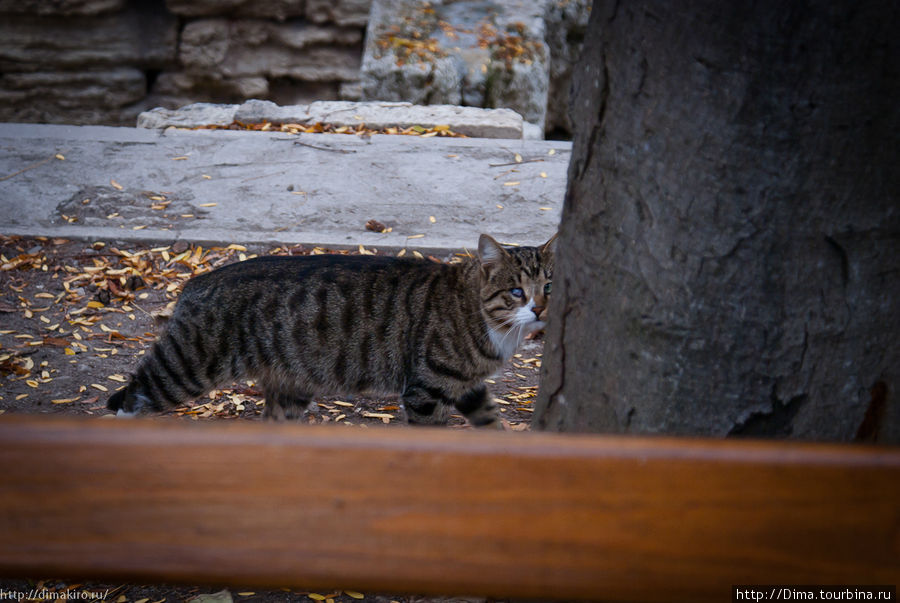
163 379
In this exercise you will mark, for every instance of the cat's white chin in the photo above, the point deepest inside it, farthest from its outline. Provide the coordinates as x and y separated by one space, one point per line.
506 342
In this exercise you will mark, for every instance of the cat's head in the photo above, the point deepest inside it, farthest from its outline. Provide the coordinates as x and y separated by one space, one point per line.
515 290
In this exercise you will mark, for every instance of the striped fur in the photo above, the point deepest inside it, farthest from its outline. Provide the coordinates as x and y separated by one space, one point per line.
311 325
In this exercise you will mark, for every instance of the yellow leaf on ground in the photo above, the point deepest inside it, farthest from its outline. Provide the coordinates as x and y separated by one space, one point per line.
378 415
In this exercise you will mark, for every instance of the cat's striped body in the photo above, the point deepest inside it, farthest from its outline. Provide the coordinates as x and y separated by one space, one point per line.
309 325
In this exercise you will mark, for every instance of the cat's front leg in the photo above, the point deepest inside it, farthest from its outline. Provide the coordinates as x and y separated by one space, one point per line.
478 408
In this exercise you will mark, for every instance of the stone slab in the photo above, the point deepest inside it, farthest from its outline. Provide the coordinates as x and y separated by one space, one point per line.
470 121
189 116
259 187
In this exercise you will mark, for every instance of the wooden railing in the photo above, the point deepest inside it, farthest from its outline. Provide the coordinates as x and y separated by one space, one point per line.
438 511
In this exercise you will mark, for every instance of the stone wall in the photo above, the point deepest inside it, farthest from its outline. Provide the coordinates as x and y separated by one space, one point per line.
516 54
105 61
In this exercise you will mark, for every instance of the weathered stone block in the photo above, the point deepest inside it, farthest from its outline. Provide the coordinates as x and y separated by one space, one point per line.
471 121
261 9
483 53
341 12
111 97
143 35
257 111
252 48
72 89
60 7
198 114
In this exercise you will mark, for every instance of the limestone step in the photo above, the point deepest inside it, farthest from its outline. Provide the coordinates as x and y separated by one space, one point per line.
103 183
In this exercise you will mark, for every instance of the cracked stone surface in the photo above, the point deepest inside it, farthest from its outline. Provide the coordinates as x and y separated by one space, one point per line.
261 187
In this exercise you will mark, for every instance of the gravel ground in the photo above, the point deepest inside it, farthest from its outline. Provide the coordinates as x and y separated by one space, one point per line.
75 316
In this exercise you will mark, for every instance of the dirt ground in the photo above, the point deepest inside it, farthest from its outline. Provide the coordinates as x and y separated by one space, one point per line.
74 318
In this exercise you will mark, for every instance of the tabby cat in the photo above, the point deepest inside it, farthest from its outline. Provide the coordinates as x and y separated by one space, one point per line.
307 325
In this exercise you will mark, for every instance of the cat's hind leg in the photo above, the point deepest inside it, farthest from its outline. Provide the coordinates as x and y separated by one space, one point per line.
284 403
424 406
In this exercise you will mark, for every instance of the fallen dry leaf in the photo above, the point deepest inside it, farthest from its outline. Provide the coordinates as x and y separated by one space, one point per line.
375 226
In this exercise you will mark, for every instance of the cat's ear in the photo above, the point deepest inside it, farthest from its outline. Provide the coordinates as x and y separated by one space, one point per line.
550 245
489 250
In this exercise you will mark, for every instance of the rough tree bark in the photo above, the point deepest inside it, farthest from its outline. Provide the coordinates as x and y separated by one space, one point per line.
729 258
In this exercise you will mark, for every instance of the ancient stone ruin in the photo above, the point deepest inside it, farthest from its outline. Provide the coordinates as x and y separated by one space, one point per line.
107 61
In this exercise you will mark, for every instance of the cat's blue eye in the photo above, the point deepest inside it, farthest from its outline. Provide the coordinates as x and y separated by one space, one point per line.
547 289
517 292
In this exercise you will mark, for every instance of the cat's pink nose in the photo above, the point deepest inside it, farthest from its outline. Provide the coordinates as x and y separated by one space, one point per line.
538 310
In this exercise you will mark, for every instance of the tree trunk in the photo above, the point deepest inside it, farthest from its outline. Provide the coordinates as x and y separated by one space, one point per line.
729 258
